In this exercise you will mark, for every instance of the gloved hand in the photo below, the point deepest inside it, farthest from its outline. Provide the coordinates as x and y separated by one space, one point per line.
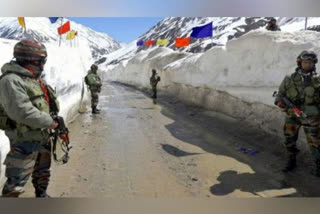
54 125
281 104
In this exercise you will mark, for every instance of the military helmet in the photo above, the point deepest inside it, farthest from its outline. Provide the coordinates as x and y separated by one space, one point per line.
273 20
307 55
93 66
154 71
29 50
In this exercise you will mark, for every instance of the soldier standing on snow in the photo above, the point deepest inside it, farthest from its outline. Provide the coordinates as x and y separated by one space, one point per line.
272 25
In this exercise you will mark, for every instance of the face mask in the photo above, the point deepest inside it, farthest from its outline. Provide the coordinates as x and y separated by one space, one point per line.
36 69
39 66
37 73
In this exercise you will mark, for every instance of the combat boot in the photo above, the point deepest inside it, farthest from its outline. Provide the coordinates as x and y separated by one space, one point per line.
291 163
42 194
94 110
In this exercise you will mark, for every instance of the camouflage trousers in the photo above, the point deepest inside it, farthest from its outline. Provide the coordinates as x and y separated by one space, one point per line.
312 131
154 91
23 160
94 98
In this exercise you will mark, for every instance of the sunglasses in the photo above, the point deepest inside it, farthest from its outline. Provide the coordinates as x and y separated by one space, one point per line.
40 61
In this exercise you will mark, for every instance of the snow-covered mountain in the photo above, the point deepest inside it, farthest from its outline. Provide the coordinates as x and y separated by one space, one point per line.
41 29
224 30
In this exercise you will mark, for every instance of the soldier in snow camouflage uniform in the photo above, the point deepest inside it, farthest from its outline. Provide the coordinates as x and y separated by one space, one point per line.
26 102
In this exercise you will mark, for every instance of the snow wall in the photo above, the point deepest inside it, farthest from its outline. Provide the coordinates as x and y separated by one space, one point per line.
238 79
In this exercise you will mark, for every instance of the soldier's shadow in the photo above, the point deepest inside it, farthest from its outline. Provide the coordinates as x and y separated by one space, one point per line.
254 183
220 135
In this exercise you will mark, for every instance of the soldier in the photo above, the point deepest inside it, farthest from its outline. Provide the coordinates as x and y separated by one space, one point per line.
272 25
154 79
94 82
26 102
302 88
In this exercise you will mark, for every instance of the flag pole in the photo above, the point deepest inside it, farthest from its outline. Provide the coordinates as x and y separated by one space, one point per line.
25 26
305 25
60 34
202 39
211 42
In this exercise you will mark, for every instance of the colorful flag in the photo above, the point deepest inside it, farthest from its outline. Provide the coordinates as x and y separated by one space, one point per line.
21 22
64 28
70 35
162 42
140 43
202 31
149 43
53 19
182 42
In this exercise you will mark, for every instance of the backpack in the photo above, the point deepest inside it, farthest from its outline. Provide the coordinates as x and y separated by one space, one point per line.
86 80
5 122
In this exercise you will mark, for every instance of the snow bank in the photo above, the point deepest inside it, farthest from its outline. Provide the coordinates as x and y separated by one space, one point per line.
64 71
237 79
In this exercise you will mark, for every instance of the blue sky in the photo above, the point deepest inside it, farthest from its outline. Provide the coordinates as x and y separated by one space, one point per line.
122 29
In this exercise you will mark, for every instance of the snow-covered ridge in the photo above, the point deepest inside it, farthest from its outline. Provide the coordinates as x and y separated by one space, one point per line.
224 29
41 29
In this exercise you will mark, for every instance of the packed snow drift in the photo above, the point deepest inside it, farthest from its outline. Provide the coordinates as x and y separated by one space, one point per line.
237 79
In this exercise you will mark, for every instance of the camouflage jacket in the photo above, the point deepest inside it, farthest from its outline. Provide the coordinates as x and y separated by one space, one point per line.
303 91
93 81
273 28
154 79
23 100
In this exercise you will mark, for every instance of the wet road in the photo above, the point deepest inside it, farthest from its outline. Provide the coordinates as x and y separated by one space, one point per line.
138 149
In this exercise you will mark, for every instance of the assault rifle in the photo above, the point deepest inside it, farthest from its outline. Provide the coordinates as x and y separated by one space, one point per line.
61 132
297 111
